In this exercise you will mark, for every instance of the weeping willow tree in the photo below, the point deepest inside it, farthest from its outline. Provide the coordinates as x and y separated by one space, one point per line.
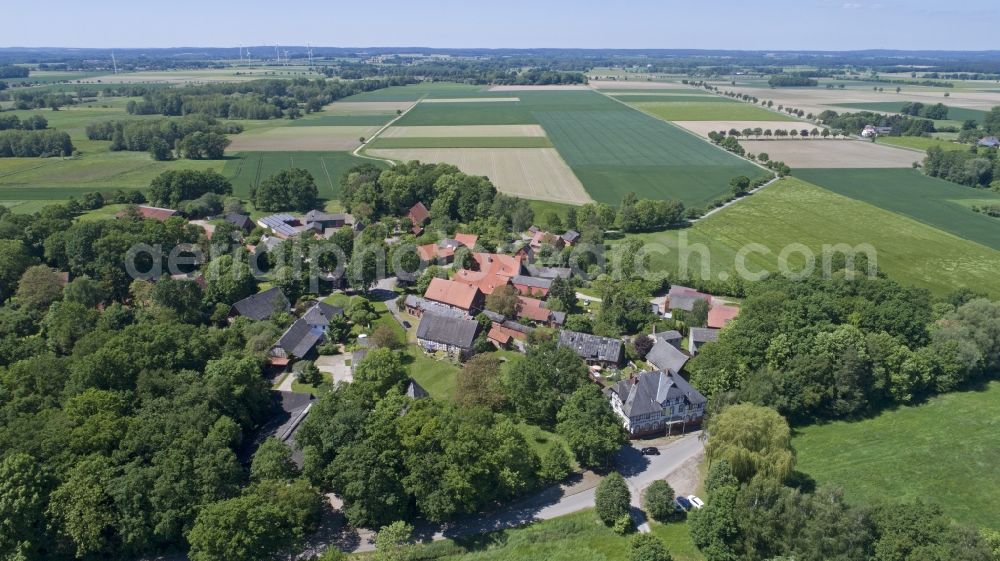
755 440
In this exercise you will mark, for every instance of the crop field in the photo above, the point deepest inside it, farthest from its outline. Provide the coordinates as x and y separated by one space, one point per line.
954 113
297 139
413 92
820 153
793 211
914 453
724 110
691 96
247 169
532 173
936 202
352 108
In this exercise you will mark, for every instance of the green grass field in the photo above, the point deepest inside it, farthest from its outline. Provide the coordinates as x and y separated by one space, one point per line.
246 169
920 142
946 451
954 113
463 142
320 120
936 202
707 111
793 211
692 97
575 537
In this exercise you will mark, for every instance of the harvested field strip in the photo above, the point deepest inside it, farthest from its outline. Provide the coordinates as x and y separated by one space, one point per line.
954 113
793 211
248 169
468 114
463 142
707 111
824 153
672 98
935 202
463 131
367 107
531 173
369 120
470 100
294 139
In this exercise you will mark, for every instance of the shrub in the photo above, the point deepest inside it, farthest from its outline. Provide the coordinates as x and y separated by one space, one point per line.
612 499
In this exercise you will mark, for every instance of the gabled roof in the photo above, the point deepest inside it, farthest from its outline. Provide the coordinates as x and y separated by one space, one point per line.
320 314
704 335
418 214
592 347
430 252
468 240
241 221
665 356
484 282
151 212
283 225
549 272
678 290
989 141
415 391
685 303
320 216
498 264
298 339
425 305
262 305
457 294
719 315
672 336
647 391
532 282
446 330
533 309
571 236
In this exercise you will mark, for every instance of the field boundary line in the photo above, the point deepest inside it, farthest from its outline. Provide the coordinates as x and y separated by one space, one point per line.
358 151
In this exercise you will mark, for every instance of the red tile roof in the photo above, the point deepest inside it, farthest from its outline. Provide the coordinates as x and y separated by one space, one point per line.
485 282
151 212
533 309
431 251
468 240
418 214
498 264
503 335
459 295
720 315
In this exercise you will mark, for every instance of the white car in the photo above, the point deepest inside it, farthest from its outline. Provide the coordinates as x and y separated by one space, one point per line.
696 502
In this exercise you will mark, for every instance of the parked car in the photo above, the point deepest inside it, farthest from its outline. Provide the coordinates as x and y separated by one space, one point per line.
683 503
650 451
695 501
406 324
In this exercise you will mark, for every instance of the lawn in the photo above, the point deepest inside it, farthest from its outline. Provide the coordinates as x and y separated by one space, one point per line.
936 202
921 143
954 113
946 451
575 537
246 169
707 111
793 211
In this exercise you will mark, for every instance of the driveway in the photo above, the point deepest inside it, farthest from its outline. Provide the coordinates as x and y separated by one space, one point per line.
639 472
336 366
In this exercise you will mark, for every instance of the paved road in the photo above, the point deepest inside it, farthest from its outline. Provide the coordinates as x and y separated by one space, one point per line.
639 471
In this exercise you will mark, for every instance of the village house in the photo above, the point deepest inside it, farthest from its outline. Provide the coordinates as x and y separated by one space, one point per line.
417 306
239 221
654 402
451 335
989 142
535 310
508 334
458 295
531 286
666 353
418 215
262 305
698 336
594 349
570 237
299 341
550 273
318 223
320 314
541 238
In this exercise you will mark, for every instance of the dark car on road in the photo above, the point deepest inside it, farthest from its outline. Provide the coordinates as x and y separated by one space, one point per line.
683 503
406 324
650 451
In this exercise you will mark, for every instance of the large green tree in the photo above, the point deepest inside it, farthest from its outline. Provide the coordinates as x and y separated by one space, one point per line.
592 429
290 189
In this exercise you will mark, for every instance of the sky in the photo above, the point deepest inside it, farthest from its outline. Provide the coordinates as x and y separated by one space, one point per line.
702 24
